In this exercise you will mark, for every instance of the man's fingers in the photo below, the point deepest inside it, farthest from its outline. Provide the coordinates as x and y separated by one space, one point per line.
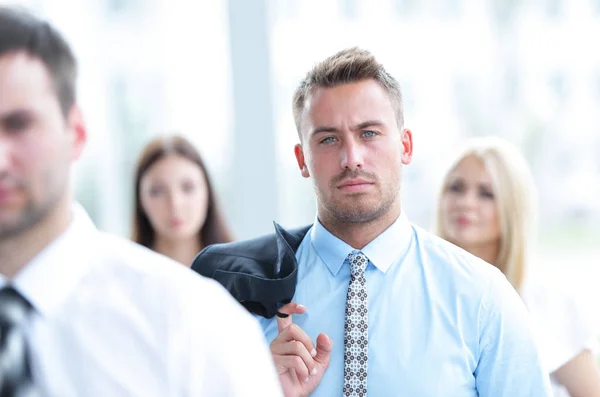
324 347
289 309
295 348
293 336
287 363
294 332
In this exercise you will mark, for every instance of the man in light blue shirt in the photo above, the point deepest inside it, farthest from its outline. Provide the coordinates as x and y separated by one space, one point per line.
394 311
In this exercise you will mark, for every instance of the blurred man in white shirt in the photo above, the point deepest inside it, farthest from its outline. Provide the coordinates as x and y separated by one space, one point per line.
83 313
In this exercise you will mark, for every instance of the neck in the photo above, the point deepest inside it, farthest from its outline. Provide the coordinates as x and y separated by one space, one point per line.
17 251
359 234
183 251
487 252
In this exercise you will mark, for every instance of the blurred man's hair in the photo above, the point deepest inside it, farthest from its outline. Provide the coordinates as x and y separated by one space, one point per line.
22 31
347 66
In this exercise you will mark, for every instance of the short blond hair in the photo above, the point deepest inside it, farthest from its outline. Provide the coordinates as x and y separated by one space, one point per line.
347 66
513 186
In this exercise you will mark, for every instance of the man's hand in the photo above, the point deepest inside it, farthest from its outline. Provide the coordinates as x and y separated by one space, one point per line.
299 363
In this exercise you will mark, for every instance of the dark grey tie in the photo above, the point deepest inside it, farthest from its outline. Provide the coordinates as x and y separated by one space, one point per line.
15 372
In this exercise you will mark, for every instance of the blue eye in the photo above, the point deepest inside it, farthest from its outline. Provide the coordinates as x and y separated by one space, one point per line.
369 134
327 140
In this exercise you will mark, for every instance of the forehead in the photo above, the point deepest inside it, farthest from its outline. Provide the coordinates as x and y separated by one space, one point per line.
348 103
471 168
24 82
174 165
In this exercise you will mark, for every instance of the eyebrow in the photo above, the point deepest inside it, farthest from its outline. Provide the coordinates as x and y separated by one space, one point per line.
369 123
361 126
486 185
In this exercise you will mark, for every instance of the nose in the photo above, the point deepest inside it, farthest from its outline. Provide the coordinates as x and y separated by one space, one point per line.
175 200
352 156
467 200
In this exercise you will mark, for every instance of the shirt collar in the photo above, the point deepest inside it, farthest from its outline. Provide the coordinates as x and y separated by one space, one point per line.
382 252
49 278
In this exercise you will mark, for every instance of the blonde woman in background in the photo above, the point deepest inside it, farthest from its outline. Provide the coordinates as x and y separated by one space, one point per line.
486 207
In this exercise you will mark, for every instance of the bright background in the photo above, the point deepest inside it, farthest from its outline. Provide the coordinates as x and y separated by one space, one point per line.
222 73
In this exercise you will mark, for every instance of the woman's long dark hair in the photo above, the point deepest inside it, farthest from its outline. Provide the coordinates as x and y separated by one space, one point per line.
215 228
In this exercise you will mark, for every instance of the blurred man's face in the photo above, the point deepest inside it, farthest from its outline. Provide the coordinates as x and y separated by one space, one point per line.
37 144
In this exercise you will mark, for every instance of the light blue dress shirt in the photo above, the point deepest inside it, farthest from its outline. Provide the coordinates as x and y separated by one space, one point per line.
441 321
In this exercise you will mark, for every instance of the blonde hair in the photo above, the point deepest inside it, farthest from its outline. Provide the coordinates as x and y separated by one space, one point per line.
347 66
514 191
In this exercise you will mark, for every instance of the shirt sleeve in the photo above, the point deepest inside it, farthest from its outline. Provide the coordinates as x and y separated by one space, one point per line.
226 351
509 364
565 324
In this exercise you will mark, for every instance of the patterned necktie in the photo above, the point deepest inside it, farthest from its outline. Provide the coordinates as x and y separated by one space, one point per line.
15 374
356 333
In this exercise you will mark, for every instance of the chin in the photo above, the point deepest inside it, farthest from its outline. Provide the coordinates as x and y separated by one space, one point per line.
459 239
357 214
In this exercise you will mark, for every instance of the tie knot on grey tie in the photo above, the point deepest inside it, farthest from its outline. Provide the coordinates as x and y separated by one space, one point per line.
15 373
358 263
13 307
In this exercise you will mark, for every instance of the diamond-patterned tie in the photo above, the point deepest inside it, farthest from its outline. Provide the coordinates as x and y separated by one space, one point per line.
15 373
356 333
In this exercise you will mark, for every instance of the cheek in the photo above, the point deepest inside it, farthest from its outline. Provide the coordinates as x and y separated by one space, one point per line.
447 203
153 207
389 154
200 205
489 210
41 162
322 169
490 214
196 202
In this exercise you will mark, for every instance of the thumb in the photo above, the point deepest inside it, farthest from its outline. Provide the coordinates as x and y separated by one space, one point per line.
324 347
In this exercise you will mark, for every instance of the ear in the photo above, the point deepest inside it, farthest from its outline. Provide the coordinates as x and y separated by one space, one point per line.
407 146
76 127
300 159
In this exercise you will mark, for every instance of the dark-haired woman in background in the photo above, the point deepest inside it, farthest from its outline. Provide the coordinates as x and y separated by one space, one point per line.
176 210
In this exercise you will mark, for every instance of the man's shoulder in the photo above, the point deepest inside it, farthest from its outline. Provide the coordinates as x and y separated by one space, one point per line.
133 263
262 247
126 252
158 285
446 256
260 272
256 254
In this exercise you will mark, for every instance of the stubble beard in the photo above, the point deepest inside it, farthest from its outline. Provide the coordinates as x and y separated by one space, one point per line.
30 215
357 208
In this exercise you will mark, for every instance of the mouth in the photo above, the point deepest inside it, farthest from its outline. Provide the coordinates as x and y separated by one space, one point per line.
463 221
355 185
176 222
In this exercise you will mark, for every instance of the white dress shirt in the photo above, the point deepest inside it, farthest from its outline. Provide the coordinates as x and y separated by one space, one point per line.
112 318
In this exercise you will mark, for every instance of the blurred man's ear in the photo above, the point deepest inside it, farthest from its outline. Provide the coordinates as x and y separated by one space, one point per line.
407 146
76 127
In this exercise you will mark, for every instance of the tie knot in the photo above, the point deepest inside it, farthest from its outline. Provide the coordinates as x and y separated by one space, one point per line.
13 307
358 263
